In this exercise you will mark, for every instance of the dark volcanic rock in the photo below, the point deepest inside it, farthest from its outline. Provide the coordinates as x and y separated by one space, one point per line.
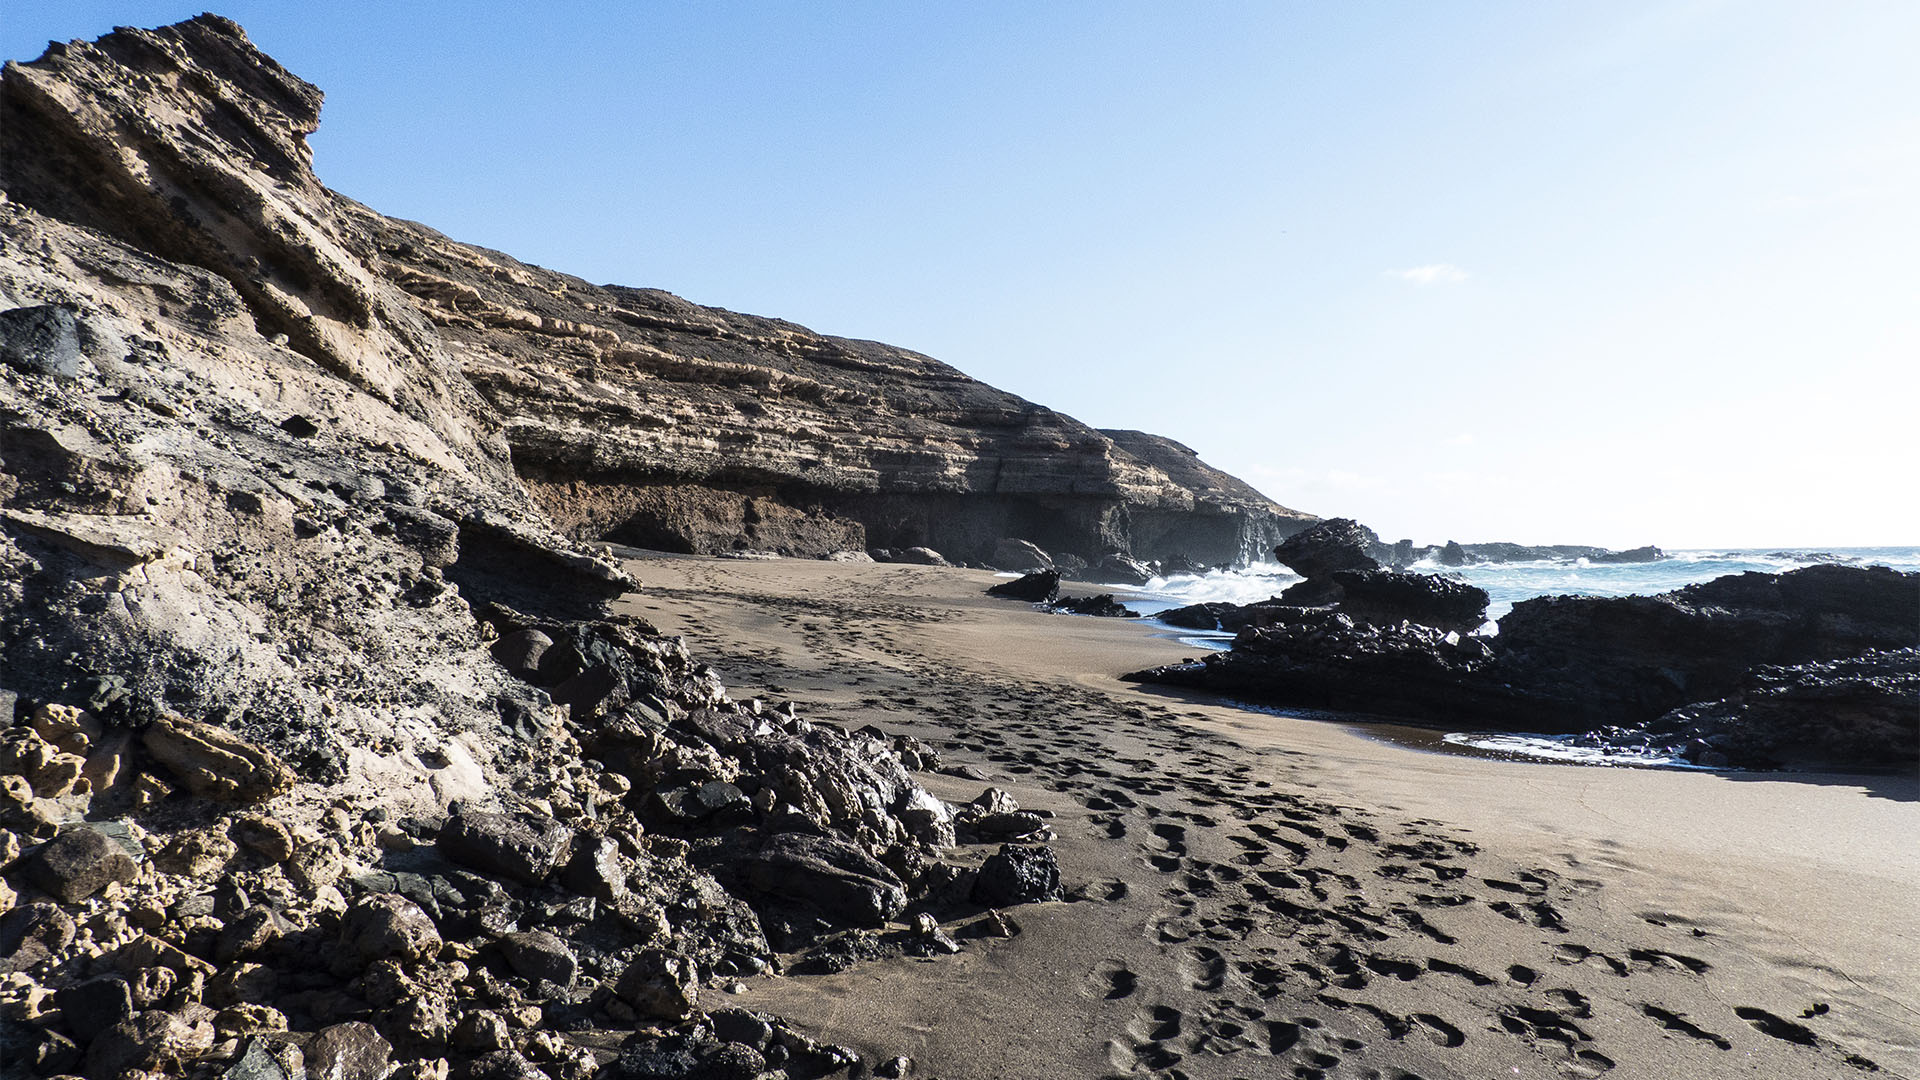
1428 599
1039 586
518 846
1858 713
1632 555
1582 663
1103 605
1018 875
78 863
832 875
41 340
1334 544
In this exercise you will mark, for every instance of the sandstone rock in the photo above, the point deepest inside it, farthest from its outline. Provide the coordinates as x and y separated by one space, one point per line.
78 863
33 934
1019 556
201 853
215 763
518 846
70 729
249 1018
154 1039
263 836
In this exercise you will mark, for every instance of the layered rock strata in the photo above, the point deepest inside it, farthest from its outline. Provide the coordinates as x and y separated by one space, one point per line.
319 752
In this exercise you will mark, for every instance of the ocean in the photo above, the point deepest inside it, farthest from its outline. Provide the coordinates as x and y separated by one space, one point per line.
1507 584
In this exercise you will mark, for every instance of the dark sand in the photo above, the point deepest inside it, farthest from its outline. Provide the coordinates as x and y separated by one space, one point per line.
1266 896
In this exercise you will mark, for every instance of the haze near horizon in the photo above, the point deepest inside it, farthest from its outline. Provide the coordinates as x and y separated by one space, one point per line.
1615 274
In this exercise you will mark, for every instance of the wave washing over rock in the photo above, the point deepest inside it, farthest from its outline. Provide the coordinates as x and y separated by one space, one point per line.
320 753
1818 666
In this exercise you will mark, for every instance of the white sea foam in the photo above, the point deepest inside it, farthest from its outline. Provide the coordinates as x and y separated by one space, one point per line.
1561 748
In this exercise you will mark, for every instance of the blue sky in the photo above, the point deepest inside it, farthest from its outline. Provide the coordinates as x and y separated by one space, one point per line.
1616 273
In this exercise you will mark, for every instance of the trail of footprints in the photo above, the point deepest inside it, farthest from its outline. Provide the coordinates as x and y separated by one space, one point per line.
1309 930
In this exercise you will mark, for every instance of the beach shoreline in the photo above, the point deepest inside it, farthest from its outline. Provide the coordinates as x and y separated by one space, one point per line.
1275 894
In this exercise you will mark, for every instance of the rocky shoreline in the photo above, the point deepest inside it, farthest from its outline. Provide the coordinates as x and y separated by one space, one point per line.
1814 668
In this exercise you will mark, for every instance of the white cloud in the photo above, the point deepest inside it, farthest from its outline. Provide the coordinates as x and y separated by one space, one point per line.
1435 274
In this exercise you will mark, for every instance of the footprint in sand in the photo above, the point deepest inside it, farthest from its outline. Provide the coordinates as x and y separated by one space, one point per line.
1113 980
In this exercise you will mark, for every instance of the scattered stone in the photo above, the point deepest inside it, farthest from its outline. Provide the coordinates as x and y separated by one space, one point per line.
386 926
539 955
660 985
263 836
78 863
348 1051
1018 875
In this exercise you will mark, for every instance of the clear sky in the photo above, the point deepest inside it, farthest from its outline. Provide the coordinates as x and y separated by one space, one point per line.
1614 272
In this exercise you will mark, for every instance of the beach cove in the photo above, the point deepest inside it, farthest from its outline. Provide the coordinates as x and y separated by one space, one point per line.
1261 894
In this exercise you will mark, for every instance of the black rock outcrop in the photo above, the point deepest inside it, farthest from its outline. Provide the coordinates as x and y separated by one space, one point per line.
1575 664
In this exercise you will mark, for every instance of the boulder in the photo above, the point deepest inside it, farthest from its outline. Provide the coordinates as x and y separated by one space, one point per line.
42 340
349 1051
520 651
153 1040
1330 545
540 956
385 926
829 874
33 934
1103 605
1631 555
523 847
660 985
1018 875
78 863
1384 596
1019 556
920 556
1038 587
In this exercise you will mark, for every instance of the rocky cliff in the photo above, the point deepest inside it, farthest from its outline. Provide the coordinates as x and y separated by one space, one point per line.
316 736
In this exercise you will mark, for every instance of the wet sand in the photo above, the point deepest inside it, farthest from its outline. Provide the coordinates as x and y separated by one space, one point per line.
1264 895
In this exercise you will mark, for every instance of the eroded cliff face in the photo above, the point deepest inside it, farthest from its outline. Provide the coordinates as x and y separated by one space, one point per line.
264 426
636 415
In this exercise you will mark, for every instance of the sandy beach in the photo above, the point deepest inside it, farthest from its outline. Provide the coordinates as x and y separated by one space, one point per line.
1262 895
